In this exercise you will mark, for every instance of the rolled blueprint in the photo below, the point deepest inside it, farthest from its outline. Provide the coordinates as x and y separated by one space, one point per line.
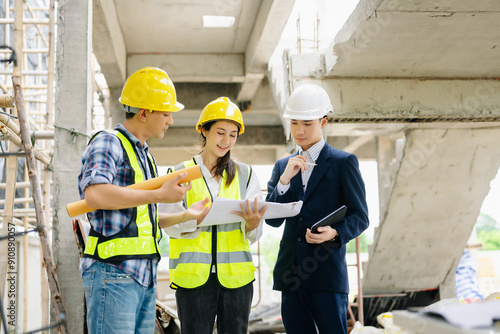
194 172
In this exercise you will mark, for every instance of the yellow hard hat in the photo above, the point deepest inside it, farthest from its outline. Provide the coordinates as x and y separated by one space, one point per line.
150 88
219 110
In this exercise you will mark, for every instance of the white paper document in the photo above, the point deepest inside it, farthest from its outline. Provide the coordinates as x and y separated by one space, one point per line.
220 212
475 315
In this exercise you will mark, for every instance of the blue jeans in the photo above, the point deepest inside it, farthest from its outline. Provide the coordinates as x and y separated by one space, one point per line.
198 308
116 303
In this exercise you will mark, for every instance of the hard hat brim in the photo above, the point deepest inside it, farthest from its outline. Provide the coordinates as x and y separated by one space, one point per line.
302 117
176 107
240 126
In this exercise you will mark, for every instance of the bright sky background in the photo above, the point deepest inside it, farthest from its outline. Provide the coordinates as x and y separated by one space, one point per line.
332 15
491 204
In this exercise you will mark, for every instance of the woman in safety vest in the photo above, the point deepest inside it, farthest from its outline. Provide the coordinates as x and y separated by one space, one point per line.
211 267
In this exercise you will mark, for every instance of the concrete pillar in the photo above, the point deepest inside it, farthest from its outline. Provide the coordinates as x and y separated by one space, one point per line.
442 178
115 107
72 110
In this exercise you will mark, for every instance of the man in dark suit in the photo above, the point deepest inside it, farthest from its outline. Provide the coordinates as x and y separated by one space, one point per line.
311 269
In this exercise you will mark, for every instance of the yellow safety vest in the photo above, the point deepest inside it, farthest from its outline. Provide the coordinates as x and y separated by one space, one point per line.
191 260
138 240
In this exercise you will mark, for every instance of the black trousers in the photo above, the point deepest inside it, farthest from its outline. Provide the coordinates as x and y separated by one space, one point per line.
311 312
198 308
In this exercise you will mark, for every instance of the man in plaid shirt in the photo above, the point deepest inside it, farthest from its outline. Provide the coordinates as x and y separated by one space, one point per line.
119 266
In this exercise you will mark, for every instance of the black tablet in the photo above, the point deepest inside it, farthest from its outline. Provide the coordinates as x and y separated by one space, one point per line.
333 218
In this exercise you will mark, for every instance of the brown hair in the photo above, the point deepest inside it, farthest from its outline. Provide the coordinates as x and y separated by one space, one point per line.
129 115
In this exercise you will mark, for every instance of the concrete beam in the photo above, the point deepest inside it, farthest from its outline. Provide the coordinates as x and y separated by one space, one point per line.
195 97
441 6
271 20
358 143
249 87
363 147
264 99
402 38
360 128
307 66
108 43
363 10
220 68
420 44
401 98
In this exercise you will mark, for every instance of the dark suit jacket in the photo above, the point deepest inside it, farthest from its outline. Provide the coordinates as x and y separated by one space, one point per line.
335 180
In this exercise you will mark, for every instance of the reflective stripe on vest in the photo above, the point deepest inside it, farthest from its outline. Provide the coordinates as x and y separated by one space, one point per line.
137 239
191 259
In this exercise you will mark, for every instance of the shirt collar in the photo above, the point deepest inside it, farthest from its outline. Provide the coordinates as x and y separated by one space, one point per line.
133 138
315 150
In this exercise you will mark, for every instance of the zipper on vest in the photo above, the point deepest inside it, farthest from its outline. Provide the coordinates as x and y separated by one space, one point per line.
214 249
214 229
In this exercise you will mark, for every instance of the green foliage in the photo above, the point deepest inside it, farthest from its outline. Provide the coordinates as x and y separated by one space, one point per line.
363 244
490 240
488 232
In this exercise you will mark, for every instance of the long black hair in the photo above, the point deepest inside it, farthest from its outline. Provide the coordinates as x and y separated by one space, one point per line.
224 162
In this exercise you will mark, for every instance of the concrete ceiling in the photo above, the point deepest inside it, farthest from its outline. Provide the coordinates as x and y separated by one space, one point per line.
204 63
394 64
177 26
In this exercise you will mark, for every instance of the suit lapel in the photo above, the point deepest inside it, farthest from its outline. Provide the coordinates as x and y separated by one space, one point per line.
318 172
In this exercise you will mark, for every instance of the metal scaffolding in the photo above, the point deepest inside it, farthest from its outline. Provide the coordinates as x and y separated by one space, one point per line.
27 44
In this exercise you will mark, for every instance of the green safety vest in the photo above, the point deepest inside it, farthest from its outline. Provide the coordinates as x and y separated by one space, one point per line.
138 240
191 260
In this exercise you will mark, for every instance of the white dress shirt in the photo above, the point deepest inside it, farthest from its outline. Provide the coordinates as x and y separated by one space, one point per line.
312 155
190 229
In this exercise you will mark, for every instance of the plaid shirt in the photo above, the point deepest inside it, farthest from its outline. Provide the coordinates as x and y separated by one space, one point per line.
104 161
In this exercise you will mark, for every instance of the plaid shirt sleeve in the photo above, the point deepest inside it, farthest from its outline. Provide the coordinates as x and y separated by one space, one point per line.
103 162
100 161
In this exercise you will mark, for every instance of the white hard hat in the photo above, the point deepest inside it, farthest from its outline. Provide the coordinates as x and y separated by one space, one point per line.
308 102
